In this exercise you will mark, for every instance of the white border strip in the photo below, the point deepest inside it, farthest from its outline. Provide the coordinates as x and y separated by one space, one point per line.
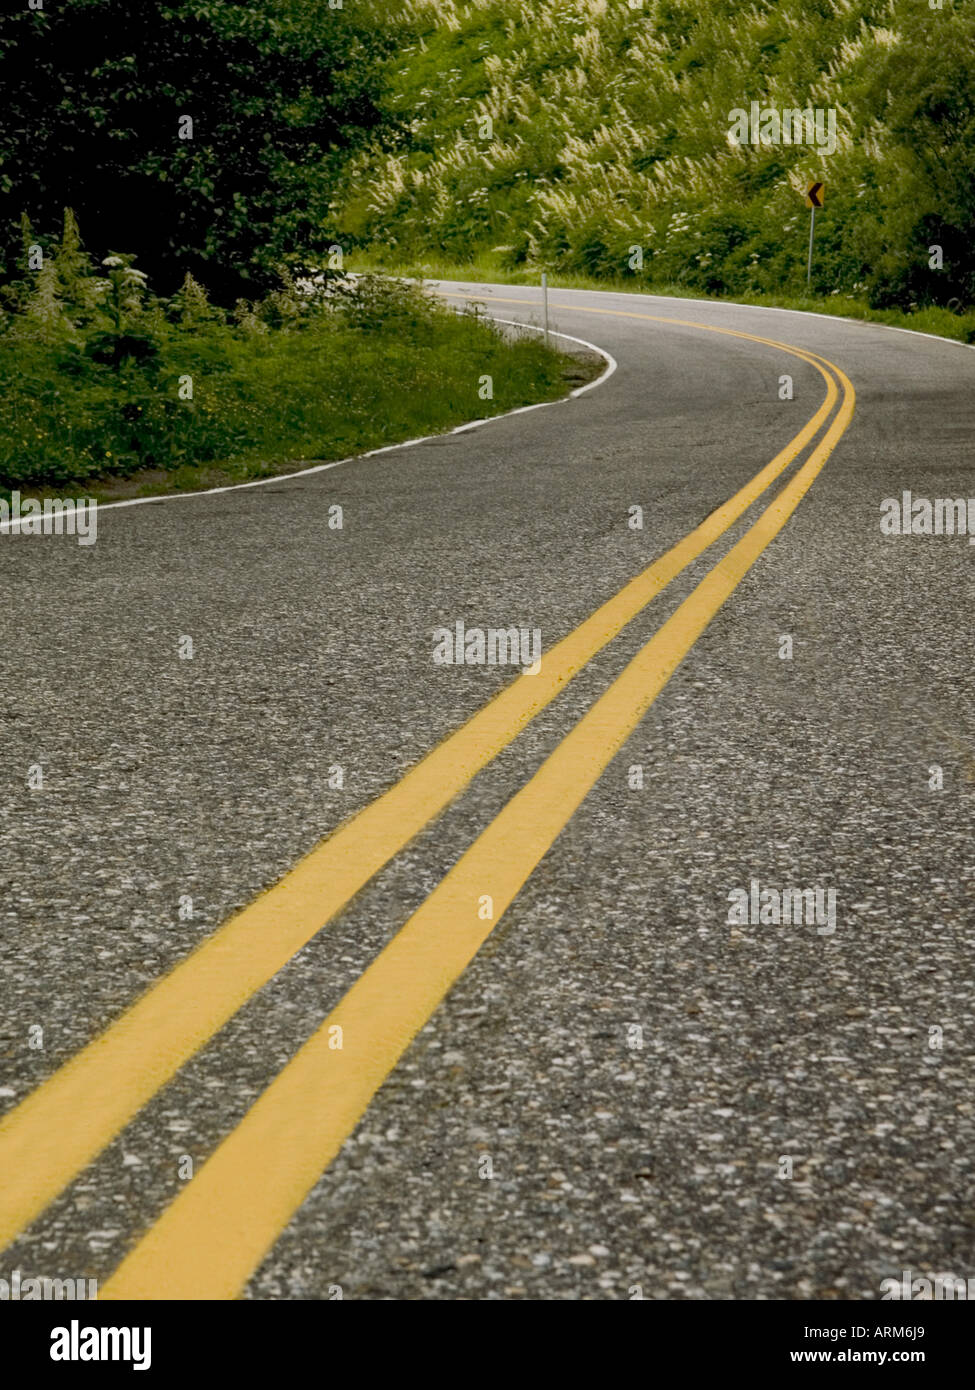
611 367
710 303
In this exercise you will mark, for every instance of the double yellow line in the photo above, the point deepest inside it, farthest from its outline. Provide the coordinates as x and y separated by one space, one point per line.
212 1236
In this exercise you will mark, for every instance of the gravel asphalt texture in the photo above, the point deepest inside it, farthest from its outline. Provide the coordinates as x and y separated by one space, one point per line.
619 1170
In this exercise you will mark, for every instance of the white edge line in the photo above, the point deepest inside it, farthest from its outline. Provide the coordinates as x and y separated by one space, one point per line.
715 303
611 367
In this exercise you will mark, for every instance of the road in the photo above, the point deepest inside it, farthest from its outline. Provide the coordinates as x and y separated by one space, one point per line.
626 1091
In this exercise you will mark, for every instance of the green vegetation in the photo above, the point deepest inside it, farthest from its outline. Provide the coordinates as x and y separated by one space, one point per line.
243 146
206 137
490 268
104 381
562 135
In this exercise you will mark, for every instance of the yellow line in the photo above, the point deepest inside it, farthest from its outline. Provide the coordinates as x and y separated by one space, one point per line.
653 318
212 1237
59 1128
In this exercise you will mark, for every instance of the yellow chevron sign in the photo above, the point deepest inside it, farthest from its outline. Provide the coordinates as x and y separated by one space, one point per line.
815 194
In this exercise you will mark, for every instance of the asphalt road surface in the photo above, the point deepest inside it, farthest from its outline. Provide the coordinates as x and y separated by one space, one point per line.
583 1070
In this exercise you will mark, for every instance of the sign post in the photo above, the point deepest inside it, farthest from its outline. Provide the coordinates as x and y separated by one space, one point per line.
815 195
545 303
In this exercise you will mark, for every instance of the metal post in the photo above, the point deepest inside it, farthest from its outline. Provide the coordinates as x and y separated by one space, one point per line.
812 233
545 303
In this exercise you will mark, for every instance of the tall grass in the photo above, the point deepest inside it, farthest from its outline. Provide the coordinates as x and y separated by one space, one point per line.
609 131
103 381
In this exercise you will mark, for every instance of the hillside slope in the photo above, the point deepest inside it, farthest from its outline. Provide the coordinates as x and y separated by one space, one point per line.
566 134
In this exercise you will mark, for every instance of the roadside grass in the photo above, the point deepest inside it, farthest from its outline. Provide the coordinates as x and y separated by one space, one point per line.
346 380
568 137
488 268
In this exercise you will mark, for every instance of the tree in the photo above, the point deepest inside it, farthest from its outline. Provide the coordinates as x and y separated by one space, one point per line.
920 180
204 136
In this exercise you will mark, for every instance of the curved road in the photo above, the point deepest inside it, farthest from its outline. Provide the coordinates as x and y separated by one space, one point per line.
625 1093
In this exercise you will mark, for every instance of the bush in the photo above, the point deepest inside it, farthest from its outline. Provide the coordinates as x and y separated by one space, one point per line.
610 129
98 94
104 380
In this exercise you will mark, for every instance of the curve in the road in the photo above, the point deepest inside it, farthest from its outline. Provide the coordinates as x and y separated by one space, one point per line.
222 974
68 1120
188 496
208 1242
